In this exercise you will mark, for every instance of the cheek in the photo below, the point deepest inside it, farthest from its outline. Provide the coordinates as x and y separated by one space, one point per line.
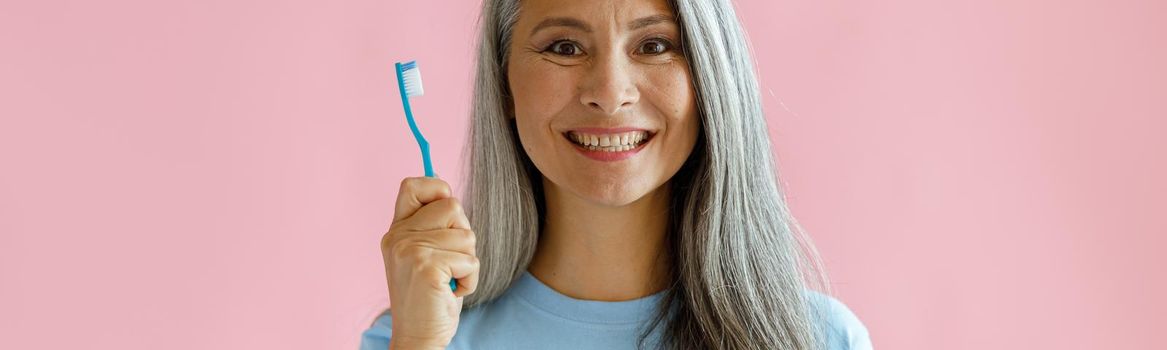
538 86
679 104
525 90
537 93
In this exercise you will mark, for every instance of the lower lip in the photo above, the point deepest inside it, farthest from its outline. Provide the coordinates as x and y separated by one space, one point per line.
605 156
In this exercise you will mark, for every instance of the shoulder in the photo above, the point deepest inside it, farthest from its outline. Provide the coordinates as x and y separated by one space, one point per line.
843 329
376 337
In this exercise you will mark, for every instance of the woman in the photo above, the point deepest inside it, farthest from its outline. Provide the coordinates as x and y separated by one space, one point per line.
621 194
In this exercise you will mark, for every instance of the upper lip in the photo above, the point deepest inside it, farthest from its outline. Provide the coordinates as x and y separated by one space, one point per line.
604 131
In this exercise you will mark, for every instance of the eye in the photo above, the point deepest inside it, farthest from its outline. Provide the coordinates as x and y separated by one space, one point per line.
655 47
563 48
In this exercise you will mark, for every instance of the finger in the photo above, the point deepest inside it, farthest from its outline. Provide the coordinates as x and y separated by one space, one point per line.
416 192
450 239
440 214
461 267
467 276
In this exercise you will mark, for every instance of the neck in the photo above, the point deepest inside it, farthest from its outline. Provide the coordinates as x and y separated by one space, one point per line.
591 251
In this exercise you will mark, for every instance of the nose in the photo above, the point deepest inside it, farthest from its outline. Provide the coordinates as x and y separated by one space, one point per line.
609 86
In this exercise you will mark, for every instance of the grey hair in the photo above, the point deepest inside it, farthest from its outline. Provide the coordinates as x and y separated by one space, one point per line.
743 266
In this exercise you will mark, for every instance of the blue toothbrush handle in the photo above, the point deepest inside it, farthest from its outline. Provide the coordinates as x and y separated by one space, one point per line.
425 158
429 172
421 142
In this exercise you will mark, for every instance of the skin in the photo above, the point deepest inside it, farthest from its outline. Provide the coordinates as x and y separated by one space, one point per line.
606 221
428 243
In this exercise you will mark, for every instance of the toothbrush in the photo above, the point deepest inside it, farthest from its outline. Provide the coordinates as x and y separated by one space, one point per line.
409 82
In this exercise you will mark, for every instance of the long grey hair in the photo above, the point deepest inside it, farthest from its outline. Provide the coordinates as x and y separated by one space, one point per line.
743 269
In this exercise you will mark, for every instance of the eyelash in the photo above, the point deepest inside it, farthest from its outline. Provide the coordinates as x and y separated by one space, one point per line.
668 46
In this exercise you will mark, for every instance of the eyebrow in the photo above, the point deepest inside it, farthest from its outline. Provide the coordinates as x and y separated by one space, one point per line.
650 20
581 25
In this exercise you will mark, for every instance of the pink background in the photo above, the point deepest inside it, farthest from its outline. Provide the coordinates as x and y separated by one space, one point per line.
217 174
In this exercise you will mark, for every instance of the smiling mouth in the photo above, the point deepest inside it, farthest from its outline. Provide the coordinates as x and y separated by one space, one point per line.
611 142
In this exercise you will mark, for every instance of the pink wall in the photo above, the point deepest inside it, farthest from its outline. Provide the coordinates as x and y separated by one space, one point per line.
216 174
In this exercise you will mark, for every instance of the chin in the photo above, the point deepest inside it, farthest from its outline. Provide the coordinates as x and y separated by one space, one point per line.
613 194
613 200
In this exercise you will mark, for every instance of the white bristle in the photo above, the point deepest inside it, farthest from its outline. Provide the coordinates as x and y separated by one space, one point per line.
411 76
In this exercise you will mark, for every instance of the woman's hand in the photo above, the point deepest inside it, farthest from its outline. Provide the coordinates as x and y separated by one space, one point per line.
429 242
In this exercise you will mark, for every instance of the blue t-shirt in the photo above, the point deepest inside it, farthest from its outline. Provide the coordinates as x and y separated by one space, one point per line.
531 315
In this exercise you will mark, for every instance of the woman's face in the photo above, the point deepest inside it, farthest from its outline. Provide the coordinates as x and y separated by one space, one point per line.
602 95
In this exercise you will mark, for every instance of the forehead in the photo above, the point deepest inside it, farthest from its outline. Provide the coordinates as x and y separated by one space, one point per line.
593 13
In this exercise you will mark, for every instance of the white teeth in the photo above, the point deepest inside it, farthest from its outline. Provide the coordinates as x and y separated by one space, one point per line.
610 142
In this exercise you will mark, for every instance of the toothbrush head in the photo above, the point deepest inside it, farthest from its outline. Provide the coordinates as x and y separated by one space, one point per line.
409 84
411 76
